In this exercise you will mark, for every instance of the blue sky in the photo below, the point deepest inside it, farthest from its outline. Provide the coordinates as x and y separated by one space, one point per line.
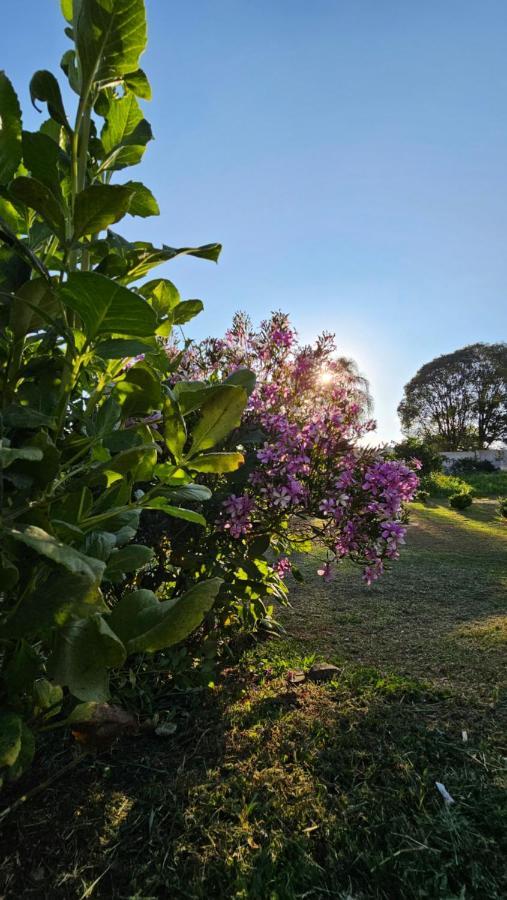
351 155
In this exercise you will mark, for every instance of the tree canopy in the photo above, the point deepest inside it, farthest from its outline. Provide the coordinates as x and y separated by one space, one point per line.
459 400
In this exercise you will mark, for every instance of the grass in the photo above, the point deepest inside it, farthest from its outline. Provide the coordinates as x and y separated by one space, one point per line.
488 485
270 790
483 484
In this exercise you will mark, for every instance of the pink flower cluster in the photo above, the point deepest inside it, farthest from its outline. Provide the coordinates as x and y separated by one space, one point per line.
311 478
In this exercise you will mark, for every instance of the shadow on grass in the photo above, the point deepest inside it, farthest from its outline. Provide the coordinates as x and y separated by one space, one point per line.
282 792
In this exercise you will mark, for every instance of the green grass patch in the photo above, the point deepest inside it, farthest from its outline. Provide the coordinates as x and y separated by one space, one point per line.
270 789
487 484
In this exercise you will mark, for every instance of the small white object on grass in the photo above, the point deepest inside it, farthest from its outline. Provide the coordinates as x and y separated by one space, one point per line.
464 735
441 788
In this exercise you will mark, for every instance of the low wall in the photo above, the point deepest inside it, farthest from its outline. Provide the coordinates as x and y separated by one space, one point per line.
497 457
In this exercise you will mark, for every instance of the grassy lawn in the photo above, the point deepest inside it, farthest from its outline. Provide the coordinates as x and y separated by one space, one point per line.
278 790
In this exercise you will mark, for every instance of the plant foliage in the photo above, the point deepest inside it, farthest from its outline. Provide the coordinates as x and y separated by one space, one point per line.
92 437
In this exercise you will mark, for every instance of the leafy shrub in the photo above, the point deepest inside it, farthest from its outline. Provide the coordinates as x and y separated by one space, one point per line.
304 476
502 507
461 501
92 437
439 485
468 466
422 496
412 447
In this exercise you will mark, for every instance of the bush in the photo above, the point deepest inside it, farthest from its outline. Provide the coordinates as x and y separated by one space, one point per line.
461 501
468 466
502 507
92 437
439 485
414 448
422 496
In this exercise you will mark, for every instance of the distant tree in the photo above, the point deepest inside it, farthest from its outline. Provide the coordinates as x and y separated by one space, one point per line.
459 401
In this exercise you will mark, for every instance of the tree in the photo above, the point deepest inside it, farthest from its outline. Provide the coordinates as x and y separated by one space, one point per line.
459 400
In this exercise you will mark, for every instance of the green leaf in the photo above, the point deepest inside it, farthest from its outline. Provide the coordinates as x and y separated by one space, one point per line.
29 301
142 202
23 252
38 196
58 599
61 554
242 378
85 651
46 696
186 310
187 493
162 294
67 11
8 455
126 132
145 624
99 206
110 37
10 738
128 559
190 395
17 416
22 669
138 83
133 261
44 159
162 505
220 414
218 463
10 130
25 755
140 391
106 307
44 87
175 431
119 349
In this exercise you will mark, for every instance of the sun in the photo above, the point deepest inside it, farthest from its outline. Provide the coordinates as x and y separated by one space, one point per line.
325 376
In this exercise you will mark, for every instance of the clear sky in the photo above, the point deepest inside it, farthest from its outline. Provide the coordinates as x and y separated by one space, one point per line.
351 155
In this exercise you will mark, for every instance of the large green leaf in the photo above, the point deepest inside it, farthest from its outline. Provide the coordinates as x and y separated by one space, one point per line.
23 253
61 554
10 130
10 738
244 378
110 37
45 87
44 159
116 348
132 261
106 307
126 132
128 559
138 83
163 505
84 652
99 206
140 391
39 197
220 414
175 431
146 624
186 310
142 201
217 463
61 597
9 455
